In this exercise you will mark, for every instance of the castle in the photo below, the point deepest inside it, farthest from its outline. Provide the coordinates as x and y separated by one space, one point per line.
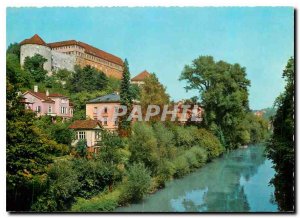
67 54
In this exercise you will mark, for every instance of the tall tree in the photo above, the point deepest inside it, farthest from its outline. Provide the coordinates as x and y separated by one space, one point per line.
126 98
223 90
28 150
281 148
35 66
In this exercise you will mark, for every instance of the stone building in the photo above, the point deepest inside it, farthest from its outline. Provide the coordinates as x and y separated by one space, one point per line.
67 54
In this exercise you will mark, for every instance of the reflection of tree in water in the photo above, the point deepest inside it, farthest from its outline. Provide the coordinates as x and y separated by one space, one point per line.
222 180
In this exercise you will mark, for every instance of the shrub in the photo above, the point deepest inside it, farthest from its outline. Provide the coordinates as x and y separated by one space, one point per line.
183 136
106 201
181 166
62 187
143 146
137 184
208 141
191 159
201 155
164 173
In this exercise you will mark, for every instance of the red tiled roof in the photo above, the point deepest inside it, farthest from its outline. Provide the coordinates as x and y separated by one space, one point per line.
141 76
36 39
89 50
85 124
56 95
41 96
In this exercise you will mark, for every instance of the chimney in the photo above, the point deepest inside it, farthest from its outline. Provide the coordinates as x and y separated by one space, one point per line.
47 92
35 88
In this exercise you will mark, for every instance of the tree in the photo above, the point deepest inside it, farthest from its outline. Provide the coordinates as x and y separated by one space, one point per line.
28 152
281 148
14 48
223 90
86 79
35 66
126 98
153 93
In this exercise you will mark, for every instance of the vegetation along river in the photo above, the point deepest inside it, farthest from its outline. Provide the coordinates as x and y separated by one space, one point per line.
236 182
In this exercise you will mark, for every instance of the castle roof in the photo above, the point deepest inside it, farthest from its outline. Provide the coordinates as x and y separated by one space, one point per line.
114 97
85 124
141 76
89 50
36 39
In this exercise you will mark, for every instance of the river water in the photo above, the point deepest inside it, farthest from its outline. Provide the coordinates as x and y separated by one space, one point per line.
236 182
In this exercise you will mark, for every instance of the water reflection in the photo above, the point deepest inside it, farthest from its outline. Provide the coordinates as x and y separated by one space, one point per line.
237 182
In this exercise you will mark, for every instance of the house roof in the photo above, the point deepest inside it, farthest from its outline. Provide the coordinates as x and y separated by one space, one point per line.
89 50
56 95
41 96
141 76
36 39
114 97
85 124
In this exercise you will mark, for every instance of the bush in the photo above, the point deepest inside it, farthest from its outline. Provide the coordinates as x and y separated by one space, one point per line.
208 141
165 172
181 167
105 202
183 136
62 187
143 147
137 184
200 154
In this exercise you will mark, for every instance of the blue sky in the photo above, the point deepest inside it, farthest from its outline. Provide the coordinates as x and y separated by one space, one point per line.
163 40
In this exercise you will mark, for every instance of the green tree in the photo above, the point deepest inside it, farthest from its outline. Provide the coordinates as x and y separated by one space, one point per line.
35 66
137 184
126 98
153 93
14 48
281 148
86 79
28 152
223 90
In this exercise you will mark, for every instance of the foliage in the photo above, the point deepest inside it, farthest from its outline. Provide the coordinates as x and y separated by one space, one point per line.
14 48
223 90
81 148
63 184
137 184
28 150
281 148
35 66
143 146
126 98
87 79
106 201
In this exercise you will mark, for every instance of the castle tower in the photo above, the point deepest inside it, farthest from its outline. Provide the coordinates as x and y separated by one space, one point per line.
35 45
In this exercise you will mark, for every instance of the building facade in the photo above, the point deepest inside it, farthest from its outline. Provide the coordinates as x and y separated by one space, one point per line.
67 54
88 130
55 105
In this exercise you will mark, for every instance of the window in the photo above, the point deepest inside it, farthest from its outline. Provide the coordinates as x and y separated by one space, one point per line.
116 109
71 111
38 109
63 110
105 121
81 135
98 135
105 110
116 121
50 109
95 110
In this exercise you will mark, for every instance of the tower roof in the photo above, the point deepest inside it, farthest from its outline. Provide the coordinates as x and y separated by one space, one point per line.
36 39
141 76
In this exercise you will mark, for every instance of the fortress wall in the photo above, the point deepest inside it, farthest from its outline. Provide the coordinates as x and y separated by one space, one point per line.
62 61
30 50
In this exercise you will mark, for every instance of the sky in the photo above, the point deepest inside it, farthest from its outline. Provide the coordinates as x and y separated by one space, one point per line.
164 40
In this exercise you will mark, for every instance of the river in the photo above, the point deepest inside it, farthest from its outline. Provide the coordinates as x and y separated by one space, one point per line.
236 182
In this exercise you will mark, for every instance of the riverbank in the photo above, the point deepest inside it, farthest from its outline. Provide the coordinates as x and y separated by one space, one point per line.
236 182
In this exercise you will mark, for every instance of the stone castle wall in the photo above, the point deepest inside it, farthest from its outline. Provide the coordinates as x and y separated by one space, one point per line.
62 61
30 50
